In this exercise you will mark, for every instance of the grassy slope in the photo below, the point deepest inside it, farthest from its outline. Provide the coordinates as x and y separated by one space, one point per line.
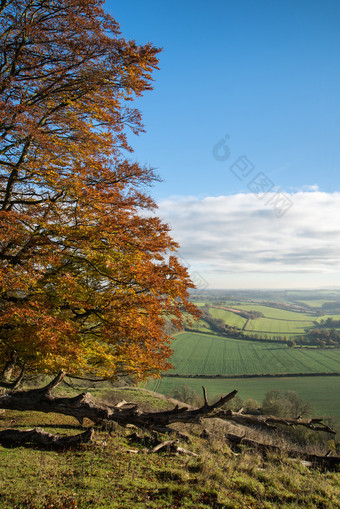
232 319
106 475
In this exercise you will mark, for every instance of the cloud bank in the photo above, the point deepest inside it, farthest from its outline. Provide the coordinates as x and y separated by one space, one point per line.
241 238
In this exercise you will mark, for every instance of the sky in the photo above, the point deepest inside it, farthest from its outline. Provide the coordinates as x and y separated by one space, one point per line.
243 127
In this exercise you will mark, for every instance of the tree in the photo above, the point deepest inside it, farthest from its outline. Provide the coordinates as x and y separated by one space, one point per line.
86 278
285 404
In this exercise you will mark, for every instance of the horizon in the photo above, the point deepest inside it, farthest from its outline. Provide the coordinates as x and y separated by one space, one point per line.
200 291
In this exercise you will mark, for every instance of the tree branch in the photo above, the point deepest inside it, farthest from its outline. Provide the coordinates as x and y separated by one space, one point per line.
314 424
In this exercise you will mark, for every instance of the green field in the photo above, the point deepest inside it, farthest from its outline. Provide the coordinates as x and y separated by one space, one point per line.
230 318
322 392
203 354
272 325
281 314
200 325
275 321
315 303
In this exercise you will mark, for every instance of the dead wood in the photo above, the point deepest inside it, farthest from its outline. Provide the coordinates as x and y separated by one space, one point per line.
84 406
171 447
329 462
156 446
270 421
124 414
37 436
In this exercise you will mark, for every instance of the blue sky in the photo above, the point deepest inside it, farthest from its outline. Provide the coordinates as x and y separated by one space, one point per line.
266 74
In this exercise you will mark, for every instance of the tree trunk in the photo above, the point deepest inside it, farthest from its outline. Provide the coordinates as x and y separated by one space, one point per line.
9 366
7 371
326 461
37 436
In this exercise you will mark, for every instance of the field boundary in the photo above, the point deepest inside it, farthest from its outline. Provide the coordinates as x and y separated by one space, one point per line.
225 335
277 375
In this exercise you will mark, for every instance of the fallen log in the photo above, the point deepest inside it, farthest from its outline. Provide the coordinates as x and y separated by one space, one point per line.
84 406
37 436
329 462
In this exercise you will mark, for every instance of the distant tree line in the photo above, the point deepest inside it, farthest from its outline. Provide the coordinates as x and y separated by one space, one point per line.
319 337
252 315
330 323
331 305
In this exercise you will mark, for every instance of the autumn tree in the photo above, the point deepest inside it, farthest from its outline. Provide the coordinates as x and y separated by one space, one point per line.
86 278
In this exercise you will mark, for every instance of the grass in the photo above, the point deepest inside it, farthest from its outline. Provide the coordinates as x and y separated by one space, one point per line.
275 321
230 318
315 303
199 325
276 313
203 354
278 326
107 474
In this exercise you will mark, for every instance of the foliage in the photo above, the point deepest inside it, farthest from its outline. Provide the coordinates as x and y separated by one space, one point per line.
86 280
320 336
290 404
285 404
186 394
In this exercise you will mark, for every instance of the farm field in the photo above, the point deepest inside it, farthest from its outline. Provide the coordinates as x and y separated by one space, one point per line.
272 325
229 317
281 314
203 354
275 321
200 325
322 392
208 355
317 303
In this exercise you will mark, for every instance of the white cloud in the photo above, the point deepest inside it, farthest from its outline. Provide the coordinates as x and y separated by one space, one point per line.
241 238
313 187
